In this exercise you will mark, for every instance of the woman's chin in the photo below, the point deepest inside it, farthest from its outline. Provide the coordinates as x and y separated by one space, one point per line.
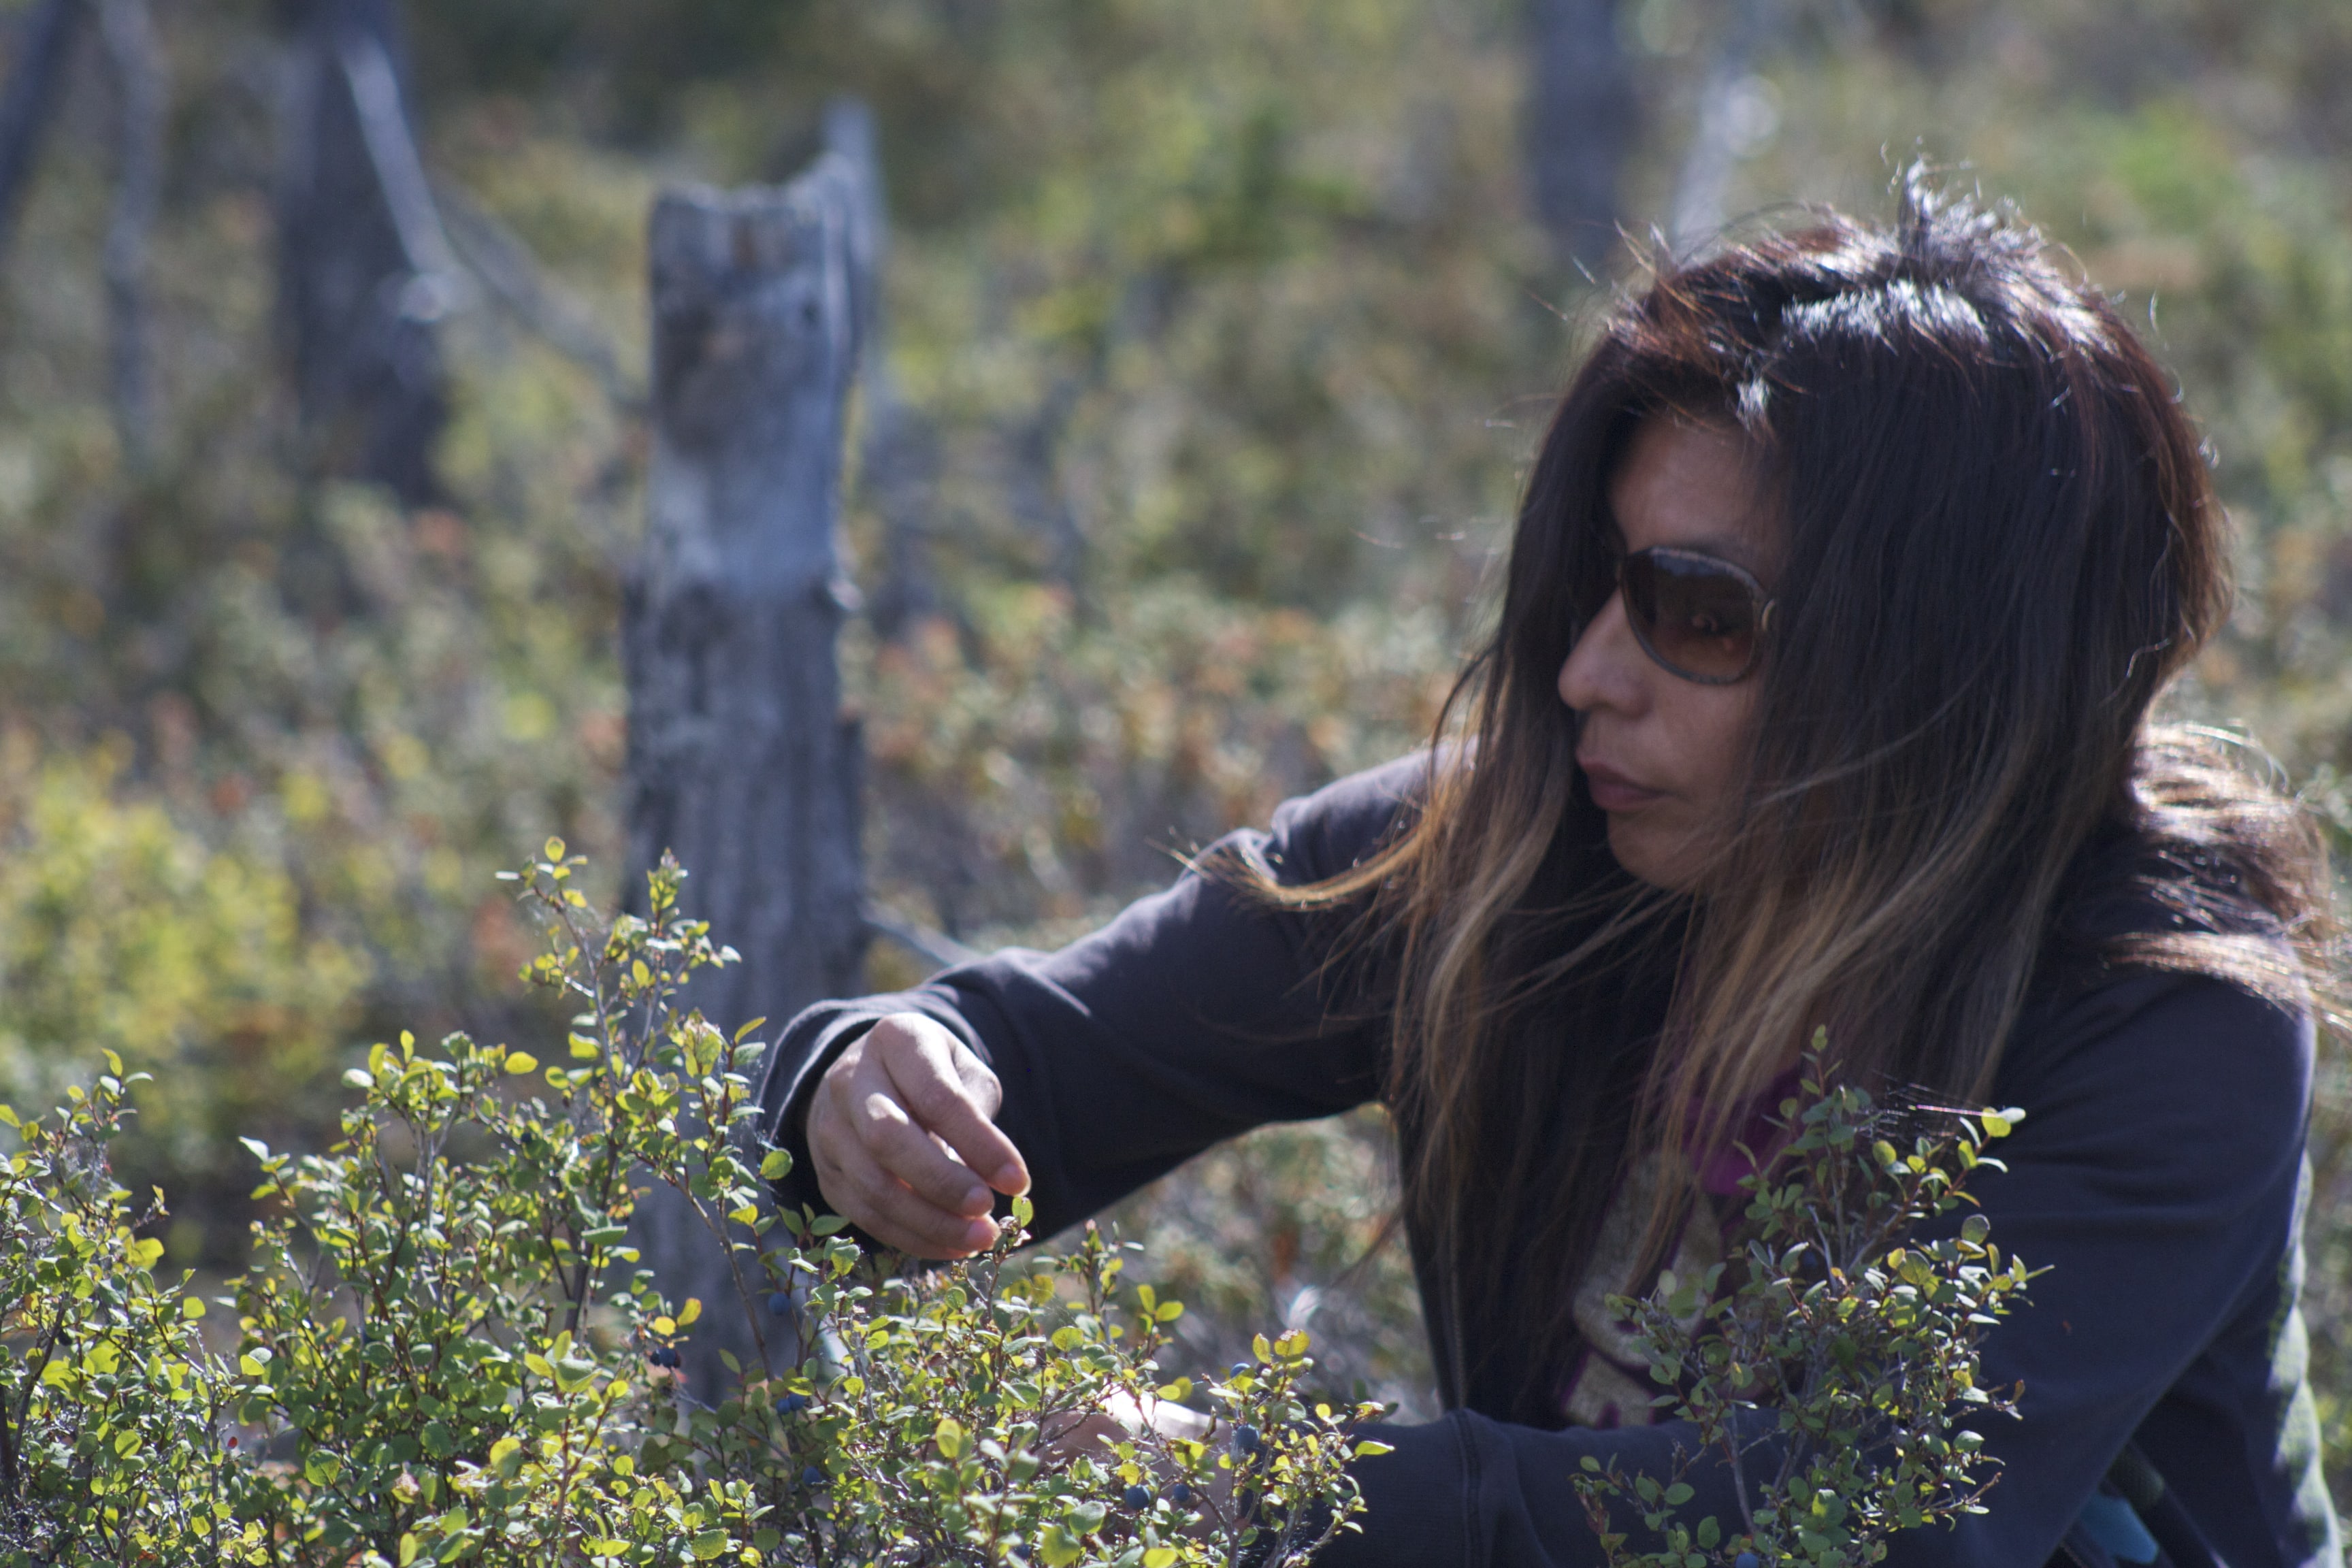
1653 852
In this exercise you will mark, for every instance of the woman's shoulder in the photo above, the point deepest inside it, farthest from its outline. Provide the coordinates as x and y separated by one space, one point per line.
2164 976
1330 830
2148 1058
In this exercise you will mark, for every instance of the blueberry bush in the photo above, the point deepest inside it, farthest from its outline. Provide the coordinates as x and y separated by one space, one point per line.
1831 1362
445 1350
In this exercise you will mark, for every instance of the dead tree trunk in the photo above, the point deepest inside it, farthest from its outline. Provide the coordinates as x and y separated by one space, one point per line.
1718 135
741 760
898 455
1579 123
138 62
364 272
36 76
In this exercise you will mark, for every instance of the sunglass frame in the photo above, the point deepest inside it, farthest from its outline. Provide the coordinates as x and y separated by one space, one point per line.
1762 602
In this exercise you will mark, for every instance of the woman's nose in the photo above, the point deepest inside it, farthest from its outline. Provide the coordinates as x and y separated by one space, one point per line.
1606 668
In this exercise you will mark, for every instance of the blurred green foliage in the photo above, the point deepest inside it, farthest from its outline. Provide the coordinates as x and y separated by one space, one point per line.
1225 332
121 932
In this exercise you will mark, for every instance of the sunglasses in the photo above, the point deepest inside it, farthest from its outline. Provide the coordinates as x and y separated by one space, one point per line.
1696 617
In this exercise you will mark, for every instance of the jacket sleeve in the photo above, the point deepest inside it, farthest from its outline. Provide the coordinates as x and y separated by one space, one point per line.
2155 1177
1197 1013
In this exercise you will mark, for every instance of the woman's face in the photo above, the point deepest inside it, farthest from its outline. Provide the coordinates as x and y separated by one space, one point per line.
1663 755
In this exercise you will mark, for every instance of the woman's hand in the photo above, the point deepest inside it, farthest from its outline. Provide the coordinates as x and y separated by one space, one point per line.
898 1127
1125 1418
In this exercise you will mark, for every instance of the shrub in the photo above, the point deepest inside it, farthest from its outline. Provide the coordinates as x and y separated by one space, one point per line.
445 1351
106 1407
123 931
1831 1376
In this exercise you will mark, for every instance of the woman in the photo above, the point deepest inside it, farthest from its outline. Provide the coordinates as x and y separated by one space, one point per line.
1846 578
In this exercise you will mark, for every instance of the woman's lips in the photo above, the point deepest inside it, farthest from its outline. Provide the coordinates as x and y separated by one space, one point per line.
1612 791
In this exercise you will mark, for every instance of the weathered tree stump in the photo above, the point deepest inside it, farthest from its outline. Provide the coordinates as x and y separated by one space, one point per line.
137 56
741 760
37 73
363 275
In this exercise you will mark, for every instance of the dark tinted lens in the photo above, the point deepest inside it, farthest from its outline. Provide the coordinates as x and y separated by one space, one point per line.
1696 616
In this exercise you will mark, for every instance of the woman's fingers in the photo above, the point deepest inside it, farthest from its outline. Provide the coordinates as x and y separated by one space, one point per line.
901 1145
856 1187
898 1217
949 1091
894 1129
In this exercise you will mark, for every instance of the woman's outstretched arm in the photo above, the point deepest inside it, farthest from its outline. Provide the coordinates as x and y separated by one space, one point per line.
1199 1013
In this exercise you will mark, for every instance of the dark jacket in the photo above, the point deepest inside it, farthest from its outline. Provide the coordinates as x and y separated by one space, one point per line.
2159 1176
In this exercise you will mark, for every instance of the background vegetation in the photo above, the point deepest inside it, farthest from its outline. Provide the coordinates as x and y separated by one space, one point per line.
1223 331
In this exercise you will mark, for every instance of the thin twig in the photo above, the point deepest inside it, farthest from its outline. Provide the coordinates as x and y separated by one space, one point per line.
399 170
937 947
516 281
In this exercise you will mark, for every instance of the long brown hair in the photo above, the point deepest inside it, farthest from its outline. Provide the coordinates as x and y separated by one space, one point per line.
2000 544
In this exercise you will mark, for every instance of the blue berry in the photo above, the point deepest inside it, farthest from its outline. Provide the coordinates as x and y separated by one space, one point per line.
666 1355
812 1477
1181 1495
1138 1498
791 1404
1245 1440
780 1304
1748 1559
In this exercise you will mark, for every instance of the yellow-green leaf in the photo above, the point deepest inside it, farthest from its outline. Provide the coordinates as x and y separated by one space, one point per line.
522 1062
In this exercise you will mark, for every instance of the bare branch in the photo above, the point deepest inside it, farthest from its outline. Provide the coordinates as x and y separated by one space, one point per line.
399 172
514 279
936 947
